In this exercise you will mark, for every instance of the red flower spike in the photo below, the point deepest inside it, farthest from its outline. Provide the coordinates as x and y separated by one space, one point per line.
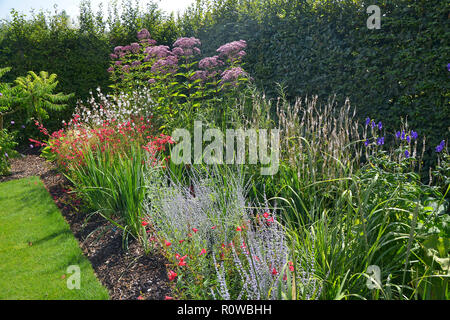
172 275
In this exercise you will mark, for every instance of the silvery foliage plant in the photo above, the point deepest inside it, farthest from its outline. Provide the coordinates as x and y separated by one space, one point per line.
214 203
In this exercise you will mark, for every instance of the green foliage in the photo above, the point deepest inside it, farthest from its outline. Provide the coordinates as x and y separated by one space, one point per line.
37 96
113 185
7 150
324 47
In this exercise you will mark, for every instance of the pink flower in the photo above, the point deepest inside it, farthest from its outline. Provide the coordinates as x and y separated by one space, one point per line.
238 229
167 243
233 74
291 266
144 223
209 62
187 42
274 272
202 252
140 298
168 298
143 34
233 50
194 229
213 227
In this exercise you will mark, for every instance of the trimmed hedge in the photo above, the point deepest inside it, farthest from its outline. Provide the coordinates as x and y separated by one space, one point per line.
325 48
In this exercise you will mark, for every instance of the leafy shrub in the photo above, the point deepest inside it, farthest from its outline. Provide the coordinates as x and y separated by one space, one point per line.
7 150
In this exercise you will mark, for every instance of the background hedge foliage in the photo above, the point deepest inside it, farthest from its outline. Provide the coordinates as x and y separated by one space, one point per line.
311 47
324 48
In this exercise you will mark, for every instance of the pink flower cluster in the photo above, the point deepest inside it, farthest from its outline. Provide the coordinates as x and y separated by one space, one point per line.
143 34
233 50
210 63
158 51
233 74
165 65
186 46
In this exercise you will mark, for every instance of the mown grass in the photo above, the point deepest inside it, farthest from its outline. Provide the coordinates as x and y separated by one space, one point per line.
37 247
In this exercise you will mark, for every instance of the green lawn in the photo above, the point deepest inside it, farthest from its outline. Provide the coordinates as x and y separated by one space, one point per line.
37 247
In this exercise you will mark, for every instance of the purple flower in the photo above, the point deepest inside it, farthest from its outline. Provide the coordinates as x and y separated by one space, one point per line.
118 49
372 124
440 147
110 69
233 74
126 68
187 43
380 141
380 125
233 50
143 34
178 51
398 134
118 63
166 65
448 67
158 51
408 138
414 135
136 63
367 142
6 155
22 126
151 81
31 146
113 56
1 94
149 42
403 135
367 121
199 74
135 47
12 122
406 153
209 62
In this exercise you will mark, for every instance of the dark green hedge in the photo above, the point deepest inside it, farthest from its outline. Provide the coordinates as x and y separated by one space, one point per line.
311 47
325 48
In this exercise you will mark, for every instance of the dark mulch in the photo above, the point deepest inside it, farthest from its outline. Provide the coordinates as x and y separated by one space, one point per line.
127 274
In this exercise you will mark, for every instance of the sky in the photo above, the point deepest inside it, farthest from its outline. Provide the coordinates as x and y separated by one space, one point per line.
71 6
